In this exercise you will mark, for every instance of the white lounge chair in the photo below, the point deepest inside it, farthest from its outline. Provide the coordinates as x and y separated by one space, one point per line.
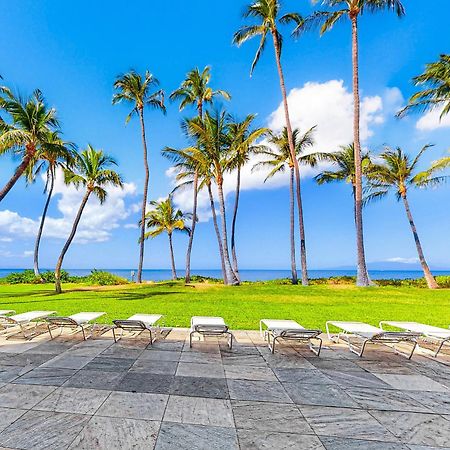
289 330
136 323
355 333
78 322
210 326
441 336
6 312
23 321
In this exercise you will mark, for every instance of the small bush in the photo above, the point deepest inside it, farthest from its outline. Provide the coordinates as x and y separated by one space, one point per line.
28 277
102 278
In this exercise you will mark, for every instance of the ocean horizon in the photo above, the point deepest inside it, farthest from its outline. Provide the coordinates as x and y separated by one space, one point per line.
248 274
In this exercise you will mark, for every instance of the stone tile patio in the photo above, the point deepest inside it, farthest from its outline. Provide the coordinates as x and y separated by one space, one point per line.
69 394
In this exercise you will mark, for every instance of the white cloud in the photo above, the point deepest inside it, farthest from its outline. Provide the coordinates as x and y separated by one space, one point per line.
9 254
399 259
431 120
96 223
329 106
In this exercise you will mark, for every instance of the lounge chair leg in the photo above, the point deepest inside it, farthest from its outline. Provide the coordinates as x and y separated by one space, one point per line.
439 348
230 343
412 351
316 351
190 338
114 335
49 331
84 334
151 337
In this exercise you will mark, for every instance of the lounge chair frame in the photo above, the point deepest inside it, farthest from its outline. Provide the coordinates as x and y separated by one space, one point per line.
357 342
426 336
304 336
133 325
8 322
66 322
216 330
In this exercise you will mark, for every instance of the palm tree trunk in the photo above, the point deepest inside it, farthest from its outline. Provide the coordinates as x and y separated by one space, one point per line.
17 174
294 158
292 221
219 239
191 235
144 199
41 225
431 282
231 275
233 225
68 242
172 258
362 277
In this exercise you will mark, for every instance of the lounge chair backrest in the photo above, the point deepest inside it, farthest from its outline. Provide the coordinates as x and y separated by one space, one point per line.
134 325
299 334
211 329
61 321
397 335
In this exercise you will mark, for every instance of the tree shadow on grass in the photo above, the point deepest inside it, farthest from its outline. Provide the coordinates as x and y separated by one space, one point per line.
124 296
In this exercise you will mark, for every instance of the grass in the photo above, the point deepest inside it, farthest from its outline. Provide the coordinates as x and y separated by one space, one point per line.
242 307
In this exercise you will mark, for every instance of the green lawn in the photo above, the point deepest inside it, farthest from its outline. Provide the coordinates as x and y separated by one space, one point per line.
242 306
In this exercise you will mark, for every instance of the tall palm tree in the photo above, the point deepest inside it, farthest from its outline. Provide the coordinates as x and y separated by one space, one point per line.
92 171
267 17
277 158
436 92
398 171
32 121
353 9
212 137
243 139
54 154
195 90
141 92
164 218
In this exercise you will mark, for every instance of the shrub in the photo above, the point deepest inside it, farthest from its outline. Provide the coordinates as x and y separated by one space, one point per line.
28 277
102 278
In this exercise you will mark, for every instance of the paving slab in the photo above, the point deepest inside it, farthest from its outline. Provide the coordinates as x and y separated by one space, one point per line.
186 369
160 355
200 387
356 379
110 364
65 361
333 443
22 395
155 367
236 372
436 402
134 405
95 379
145 382
304 376
249 439
265 391
412 382
9 416
45 376
10 373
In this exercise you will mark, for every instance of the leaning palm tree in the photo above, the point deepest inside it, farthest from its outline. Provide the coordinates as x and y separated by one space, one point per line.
195 90
242 137
398 171
267 17
353 9
91 170
436 92
277 158
32 121
141 92
164 218
55 154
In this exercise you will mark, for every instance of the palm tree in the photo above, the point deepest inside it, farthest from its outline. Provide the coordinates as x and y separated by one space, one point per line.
140 92
90 170
267 16
164 218
242 144
194 90
32 121
55 153
212 137
397 171
436 80
277 159
352 9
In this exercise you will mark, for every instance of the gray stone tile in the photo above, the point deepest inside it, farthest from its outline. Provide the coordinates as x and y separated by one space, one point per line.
23 396
119 351
345 422
236 372
338 365
9 416
145 382
66 361
46 376
201 358
160 355
178 435
43 430
279 417
356 379
266 391
249 439
244 360
73 400
412 382
95 379
10 373
416 428
288 361
155 367
166 345
385 399
381 366
200 370
307 376
54 347
26 359
200 387
199 411
318 394
110 364
134 405
334 443
105 433
426 447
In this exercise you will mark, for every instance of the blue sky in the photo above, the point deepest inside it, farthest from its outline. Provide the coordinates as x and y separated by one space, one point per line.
73 51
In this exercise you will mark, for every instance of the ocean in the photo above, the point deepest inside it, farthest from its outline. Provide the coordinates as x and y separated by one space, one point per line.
250 275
